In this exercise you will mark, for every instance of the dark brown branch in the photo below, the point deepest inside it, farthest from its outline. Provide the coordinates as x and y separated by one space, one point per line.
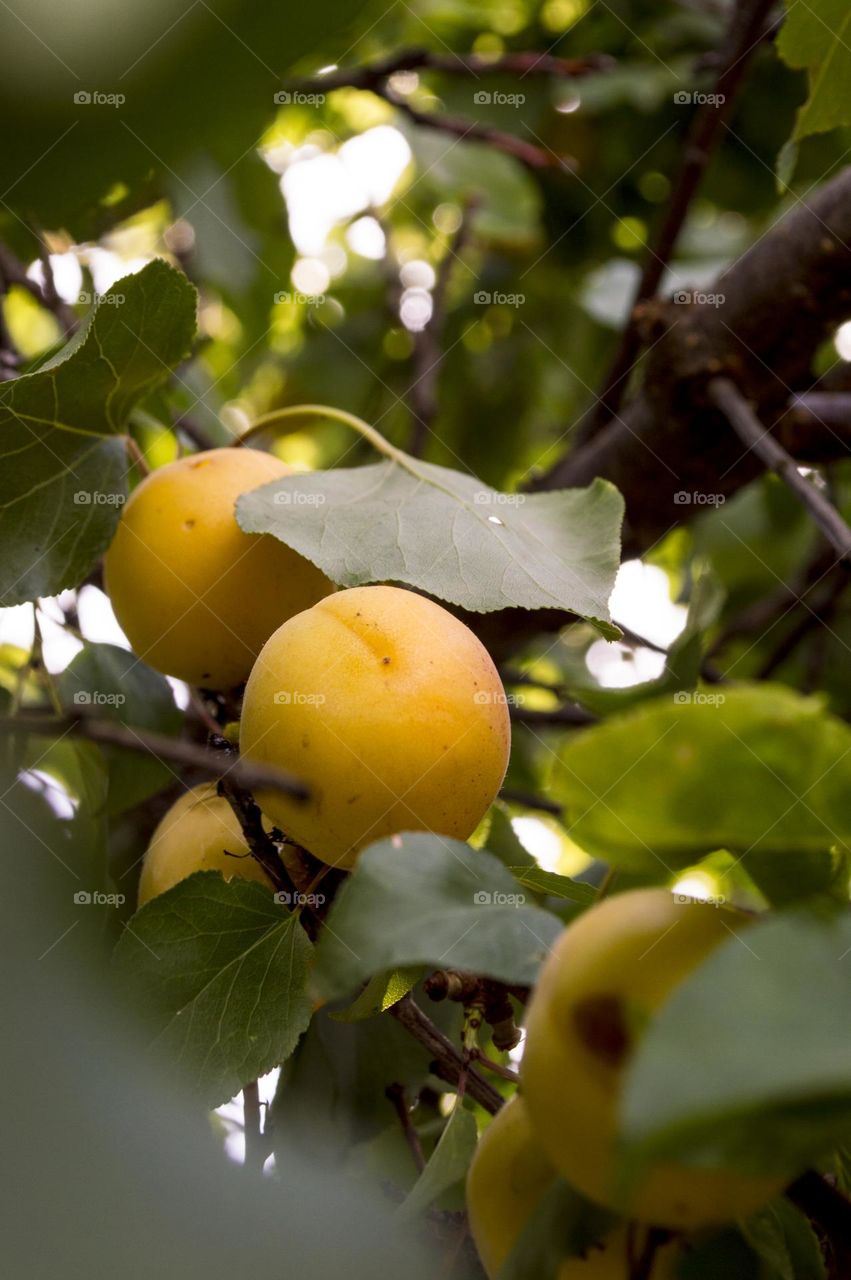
374 74
743 39
14 272
428 344
448 1063
817 614
564 715
726 395
395 1093
215 764
257 1148
529 800
830 1210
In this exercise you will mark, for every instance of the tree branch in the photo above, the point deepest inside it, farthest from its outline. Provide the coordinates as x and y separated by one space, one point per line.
395 1094
14 272
215 764
448 1063
726 395
830 1210
744 36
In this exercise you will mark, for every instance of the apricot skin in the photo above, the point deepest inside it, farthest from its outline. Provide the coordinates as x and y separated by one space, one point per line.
199 833
390 710
196 597
508 1176
627 952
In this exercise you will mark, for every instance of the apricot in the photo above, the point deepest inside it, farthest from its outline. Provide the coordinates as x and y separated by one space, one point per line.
391 711
200 832
606 977
196 597
507 1178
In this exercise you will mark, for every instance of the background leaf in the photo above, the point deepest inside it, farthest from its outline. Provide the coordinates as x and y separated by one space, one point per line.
447 1165
64 467
817 36
450 535
220 970
415 902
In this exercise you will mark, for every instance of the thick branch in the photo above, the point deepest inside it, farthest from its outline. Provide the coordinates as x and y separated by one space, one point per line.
752 433
448 1063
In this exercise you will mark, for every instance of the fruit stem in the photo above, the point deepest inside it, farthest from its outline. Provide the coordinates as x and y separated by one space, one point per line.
279 416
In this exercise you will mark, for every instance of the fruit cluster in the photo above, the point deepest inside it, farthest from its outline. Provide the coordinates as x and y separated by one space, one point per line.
607 976
381 701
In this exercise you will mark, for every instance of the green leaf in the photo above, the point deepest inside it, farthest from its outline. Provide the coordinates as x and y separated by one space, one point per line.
380 994
562 1225
503 841
759 770
786 1242
116 685
447 1165
740 1100
421 899
221 972
553 885
450 535
64 461
817 36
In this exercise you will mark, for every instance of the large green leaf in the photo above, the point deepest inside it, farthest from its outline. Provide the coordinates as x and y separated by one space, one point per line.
116 685
758 770
64 463
816 35
221 972
449 534
447 1165
784 980
425 899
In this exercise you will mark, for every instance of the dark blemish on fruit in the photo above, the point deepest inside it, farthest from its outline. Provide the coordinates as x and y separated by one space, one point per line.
189 524
352 799
305 742
386 661
205 675
600 1023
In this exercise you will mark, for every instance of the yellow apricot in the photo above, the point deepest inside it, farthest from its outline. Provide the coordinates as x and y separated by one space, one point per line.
392 712
607 975
197 597
507 1178
200 832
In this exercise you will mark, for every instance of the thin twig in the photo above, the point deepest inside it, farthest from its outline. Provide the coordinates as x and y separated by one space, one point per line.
528 800
705 129
14 272
255 1141
216 764
395 1093
428 345
448 1063
569 714
738 412
473 64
